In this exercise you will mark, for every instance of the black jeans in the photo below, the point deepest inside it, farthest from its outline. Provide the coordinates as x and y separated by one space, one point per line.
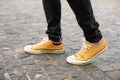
84 15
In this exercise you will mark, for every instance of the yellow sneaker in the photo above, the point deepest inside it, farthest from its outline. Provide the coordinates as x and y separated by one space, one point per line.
45 46
88 52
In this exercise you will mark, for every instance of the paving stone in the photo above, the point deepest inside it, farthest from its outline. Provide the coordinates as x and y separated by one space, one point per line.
42 60
95 72
27 61
98 62
100 75
22 22
19 77
22 55
116 66
115 75
78 74
44 63
57 58
2 72
30 68
42 57
106 67
60 60
6 48
19 50
68 51
15 70
2 68
75 75
10 61
60 77
108 60
53 70
38 76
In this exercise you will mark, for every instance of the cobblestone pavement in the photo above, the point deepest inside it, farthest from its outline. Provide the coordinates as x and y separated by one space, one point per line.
23 22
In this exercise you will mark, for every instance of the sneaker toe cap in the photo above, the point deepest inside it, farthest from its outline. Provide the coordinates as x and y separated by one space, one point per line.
71 59
27 48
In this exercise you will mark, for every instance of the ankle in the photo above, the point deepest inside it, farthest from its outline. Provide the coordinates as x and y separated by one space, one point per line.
99 42
56 43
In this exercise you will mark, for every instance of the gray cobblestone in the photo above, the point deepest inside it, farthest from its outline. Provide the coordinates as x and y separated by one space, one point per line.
30 68
100 75
10 60
115 75
22 55
95 72
42 60
2 67
116 66
53 70
38 76
42 57
60 77
106 67
27 61
44 63
19 77
22 22
2 72
15 70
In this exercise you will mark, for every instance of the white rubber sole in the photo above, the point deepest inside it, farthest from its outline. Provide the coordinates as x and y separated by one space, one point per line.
29 50
72 60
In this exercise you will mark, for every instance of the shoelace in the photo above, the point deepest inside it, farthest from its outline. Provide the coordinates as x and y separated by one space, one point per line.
45 40
84 49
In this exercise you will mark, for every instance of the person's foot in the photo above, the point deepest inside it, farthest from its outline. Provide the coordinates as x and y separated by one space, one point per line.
45 46
88 52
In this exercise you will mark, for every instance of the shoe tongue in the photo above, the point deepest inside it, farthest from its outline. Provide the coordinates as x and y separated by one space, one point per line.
86 42
46 38
92 44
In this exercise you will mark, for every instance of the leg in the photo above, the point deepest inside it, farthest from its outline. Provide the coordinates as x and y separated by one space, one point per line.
52 10
85 17
94 43
52 43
